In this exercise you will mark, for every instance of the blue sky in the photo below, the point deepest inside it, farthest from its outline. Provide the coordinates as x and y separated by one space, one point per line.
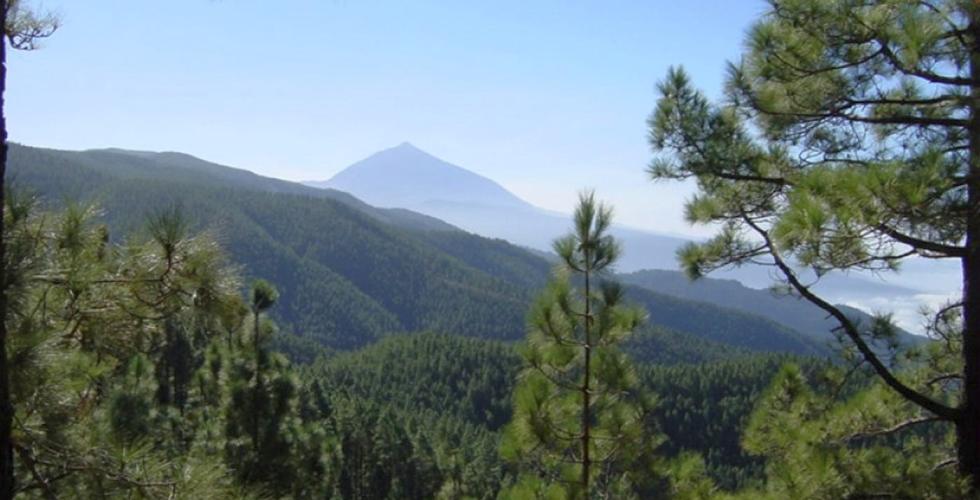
546 97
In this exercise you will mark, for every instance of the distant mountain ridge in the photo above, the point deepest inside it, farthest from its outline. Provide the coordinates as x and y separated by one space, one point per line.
129 164
351 273
805 317
407 177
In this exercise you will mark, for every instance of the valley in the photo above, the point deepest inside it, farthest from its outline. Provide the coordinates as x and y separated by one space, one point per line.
471 251
363 287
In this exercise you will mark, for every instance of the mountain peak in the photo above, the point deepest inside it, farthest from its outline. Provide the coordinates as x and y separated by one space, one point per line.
405 176
407 151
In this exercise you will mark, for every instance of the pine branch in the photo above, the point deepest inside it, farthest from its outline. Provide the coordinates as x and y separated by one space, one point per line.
946 250
940 410
920 73
893 429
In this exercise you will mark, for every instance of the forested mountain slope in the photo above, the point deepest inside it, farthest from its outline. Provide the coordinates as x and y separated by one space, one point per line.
702 405
350 273
75 174
805 317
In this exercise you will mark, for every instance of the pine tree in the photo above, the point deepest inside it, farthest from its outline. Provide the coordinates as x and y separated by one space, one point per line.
580 424
22 28
263 296
269 443
849 140
85 320
871 444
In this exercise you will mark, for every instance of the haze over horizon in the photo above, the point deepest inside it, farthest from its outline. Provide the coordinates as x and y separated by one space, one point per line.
546 99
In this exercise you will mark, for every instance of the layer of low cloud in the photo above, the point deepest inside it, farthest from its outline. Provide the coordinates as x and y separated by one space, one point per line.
909 312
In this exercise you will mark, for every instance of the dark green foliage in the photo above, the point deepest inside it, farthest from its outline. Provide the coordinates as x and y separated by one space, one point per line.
376 457
786 310
431 379
496 257
869 442
198 389
347 275
463 378
300 350
424 408
704 408
724 326
847 141
268 444
581 423
131 407
656 345
74 175
264 296
129 369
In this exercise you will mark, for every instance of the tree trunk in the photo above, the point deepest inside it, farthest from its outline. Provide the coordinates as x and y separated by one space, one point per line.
586 397
968 425
6 407
258 398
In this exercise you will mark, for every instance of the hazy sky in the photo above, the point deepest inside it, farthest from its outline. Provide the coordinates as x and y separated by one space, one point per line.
546 97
